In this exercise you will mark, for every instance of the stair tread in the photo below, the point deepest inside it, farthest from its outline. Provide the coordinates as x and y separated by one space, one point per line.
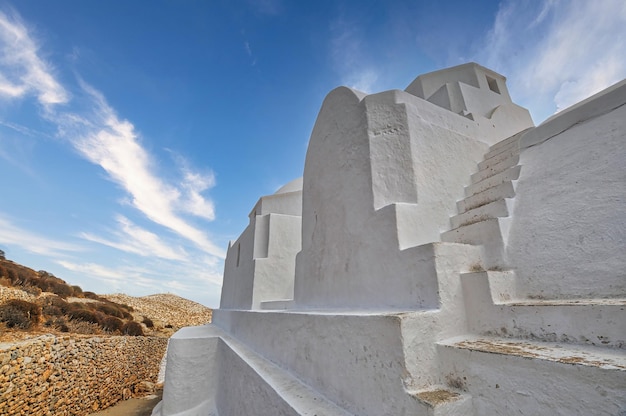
301 397
566 302
494 209
497 158
503 190
508 140
437 396
509 174
494 169
605 358
508 147
467 227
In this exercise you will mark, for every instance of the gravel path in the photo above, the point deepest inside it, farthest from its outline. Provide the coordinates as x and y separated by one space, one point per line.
132 407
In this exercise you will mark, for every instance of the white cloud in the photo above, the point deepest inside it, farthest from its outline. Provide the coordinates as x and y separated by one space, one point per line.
11 234
119 279
22 71
26 131
96 270
134 239
105 140
192 185
556 53
191 280
364 80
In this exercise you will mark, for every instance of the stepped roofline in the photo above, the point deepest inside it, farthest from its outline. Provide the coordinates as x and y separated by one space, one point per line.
425 85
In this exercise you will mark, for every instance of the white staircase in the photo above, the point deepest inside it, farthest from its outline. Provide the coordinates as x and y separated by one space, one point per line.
524 377
526 356
483 214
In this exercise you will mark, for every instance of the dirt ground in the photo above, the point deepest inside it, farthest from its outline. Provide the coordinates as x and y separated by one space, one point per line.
132 407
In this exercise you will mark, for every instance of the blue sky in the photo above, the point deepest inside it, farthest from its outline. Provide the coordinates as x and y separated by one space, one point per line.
135 137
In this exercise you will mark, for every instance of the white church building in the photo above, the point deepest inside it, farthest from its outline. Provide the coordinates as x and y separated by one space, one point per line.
441 255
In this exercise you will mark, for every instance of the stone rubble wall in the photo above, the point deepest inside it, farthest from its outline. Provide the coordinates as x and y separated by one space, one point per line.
70 375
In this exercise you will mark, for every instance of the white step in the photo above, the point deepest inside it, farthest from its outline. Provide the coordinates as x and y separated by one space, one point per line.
492 308
498 208
442 401
510 174
210 372
501 191
261 381
506 148
488 233
507 376
503 143
495 169
490 161
475 233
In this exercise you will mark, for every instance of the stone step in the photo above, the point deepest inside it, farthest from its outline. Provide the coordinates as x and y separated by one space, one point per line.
509 140
510 146
492 160
498 208
278 390
490 233
500 191
509 174
495 169
493 307
576 355
508 376
442 401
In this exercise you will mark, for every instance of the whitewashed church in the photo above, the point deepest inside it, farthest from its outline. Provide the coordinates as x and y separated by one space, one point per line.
441 255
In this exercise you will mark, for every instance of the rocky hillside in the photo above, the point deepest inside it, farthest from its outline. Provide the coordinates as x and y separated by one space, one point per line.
35 303
166 310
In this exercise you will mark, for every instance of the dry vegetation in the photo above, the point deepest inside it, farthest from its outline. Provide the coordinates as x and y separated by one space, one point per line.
33 303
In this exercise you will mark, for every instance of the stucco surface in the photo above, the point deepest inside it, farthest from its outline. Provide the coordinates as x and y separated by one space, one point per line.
440 256
568 235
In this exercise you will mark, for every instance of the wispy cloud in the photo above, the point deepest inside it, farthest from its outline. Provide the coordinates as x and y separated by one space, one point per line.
112 143
116 279
23 130
562 50
22 71
105 139
248 49
150 277
134 239
11 234
349 58
193 183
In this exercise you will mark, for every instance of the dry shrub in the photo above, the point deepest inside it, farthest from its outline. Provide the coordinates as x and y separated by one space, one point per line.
132 328
125 306
77 291
148 322
57 302
82 327
51 310
91 295
77 306
62 289
20 313
112 324
109 309
58 323
83 315
32 290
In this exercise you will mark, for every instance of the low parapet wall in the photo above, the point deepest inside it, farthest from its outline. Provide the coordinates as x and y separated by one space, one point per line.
67 375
